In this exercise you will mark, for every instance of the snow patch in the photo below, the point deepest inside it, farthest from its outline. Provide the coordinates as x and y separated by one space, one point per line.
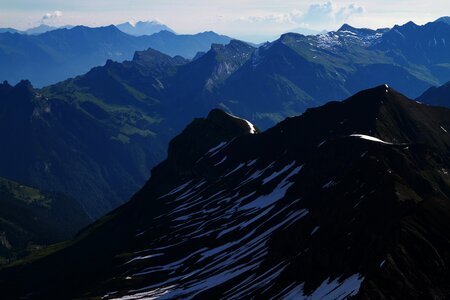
223 159
329 290
252 128
329 184
314 230
370 138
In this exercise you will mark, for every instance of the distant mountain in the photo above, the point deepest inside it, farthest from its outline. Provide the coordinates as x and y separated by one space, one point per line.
438 96
416 45
444 20
143 28
59 54
285 77
43 28
10 30
31 219
350 199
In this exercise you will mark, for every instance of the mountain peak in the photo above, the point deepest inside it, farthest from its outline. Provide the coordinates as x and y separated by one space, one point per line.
233 46
200 137
157 61
349 28
143 28
346 27
227 120
408 25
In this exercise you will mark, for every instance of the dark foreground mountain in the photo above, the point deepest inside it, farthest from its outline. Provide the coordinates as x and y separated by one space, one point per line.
349 199
31 219
438 96
59 54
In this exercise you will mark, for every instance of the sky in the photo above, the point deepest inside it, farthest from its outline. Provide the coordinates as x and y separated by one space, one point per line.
252 20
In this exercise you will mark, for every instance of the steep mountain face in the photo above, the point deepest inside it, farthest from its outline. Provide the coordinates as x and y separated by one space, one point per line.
96 152
348 199
59 54
196 87
420 45
143 28
438 96
31 219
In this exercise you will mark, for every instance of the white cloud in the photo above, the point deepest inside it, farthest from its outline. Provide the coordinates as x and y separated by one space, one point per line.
312 19
318 16
51 17
326 15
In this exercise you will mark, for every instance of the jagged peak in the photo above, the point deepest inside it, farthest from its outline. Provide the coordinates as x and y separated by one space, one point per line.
150 53
346 27
199 137
24 85
152 56
408 25
233 45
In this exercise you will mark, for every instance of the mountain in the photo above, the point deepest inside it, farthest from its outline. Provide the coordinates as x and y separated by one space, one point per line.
143 28
59 54
425 45
444 20
31 219
438 96
43 28
350 199
146 101
106 129
98 153
295 72
184 44
10 30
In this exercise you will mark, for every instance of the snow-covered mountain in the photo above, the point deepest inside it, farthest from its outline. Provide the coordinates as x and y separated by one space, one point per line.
143 28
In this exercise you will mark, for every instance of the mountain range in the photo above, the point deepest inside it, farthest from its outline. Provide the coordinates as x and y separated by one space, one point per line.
42 28
348 200
62 53
134 108
137 29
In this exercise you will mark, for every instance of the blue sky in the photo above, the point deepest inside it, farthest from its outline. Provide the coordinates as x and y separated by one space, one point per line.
254 20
